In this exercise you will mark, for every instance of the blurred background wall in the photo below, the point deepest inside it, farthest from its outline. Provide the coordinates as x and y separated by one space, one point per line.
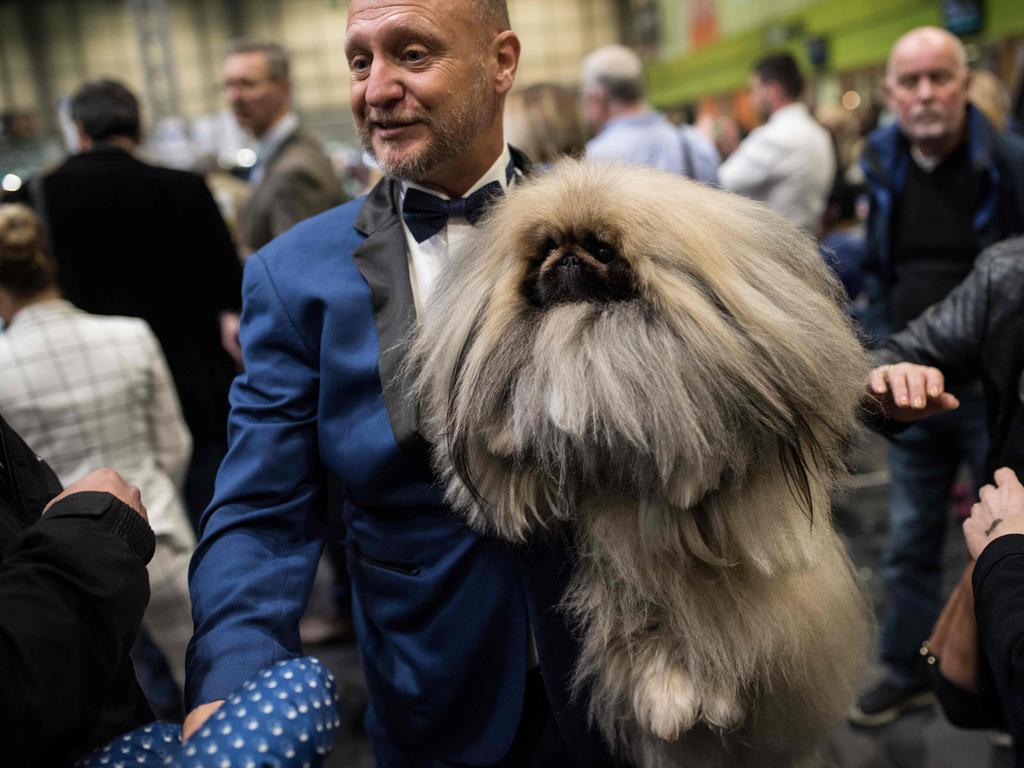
699 54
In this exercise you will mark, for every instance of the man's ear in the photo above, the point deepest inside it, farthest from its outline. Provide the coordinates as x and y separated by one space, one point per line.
505 49
84 140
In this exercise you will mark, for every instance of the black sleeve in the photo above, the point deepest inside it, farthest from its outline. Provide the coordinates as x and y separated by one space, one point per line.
999 608
221 267
948 335
73 587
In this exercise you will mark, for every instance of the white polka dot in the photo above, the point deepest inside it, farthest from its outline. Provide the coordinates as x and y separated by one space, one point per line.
241 712
236 700
211 749
276 729
256 696
303 708
252 725
291 714
268 708
316 703
282 695
262 747
288 674
289 751
225 729
190 750
311 682
304 736
272 684
238 743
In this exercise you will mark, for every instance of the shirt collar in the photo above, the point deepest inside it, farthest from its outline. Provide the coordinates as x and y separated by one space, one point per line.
497 172
40 310
277 134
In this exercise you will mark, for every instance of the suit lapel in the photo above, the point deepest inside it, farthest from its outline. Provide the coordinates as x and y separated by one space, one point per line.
383 261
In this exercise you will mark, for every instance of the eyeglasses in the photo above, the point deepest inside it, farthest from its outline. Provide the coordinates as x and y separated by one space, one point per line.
243 84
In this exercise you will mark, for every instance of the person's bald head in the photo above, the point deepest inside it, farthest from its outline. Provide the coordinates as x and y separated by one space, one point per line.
923 38
926 85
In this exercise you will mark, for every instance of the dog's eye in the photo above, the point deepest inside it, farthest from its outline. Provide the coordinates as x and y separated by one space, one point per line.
600 250
547 248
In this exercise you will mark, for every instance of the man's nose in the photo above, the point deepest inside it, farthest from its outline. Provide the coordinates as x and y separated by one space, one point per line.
383 85
925 88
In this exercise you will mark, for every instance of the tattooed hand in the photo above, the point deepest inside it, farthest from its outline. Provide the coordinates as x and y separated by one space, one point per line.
999 512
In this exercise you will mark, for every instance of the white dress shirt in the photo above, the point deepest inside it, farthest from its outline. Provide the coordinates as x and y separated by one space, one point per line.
427 259
86 391
788 164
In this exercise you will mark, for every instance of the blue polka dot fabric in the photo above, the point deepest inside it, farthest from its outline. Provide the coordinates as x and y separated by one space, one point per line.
284 716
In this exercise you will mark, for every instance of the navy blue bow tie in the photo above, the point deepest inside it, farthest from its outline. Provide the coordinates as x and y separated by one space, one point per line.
426 214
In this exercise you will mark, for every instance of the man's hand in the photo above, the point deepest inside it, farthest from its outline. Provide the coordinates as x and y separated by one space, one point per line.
909 392
1000 511
197 717
105 481
229 324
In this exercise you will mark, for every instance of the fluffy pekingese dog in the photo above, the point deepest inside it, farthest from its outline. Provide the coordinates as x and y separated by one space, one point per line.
667 368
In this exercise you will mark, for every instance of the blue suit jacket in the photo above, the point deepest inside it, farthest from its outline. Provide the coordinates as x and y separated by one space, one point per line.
441 613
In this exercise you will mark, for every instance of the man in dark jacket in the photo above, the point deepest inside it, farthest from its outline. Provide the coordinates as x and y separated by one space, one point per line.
293 179
73 588
142 241
943 185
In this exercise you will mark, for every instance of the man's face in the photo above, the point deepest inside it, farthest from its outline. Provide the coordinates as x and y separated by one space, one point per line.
927 89
761 97
256 99
423 92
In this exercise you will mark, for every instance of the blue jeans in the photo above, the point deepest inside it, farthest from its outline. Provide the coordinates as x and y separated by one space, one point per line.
924 461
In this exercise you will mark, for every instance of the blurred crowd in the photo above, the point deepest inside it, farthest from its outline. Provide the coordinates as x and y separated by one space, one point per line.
121 294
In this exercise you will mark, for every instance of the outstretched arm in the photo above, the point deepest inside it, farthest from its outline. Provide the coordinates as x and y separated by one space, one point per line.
261 537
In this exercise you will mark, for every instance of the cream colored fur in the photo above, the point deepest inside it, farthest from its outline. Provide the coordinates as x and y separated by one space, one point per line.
691 436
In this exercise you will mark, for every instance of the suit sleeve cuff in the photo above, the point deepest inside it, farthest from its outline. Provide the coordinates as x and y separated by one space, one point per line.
111 514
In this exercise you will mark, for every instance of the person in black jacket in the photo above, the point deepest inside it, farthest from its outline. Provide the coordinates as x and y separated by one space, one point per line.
975 332
73 588
137 240
995 538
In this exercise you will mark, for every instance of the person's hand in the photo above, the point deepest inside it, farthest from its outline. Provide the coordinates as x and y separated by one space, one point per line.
105 481
999 512
909 392
229 324
195 719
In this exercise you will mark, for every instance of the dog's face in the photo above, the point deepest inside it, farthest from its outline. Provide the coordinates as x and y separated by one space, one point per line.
618 332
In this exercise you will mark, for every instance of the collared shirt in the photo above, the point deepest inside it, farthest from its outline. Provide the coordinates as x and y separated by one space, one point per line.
788 164
642 138
89 391
267 145
427 259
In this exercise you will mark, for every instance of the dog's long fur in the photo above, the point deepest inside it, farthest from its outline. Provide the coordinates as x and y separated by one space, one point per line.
689 428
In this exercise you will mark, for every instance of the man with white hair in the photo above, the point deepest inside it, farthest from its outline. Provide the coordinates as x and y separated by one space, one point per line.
943 186
628 129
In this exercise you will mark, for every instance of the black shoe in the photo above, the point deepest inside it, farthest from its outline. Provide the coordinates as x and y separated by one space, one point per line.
887 701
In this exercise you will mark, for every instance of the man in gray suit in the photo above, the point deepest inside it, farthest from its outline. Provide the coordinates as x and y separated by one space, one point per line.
292 179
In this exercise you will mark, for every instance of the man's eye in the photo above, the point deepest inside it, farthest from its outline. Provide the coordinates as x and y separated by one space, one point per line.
358 63
415 55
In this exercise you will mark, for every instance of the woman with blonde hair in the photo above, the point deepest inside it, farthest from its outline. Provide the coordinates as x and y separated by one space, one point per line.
544 121
87 391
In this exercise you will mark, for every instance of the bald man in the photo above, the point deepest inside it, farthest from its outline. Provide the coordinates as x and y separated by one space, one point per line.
943 186
467 661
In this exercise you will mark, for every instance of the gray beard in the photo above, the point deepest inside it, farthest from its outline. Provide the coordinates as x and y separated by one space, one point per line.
452 136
